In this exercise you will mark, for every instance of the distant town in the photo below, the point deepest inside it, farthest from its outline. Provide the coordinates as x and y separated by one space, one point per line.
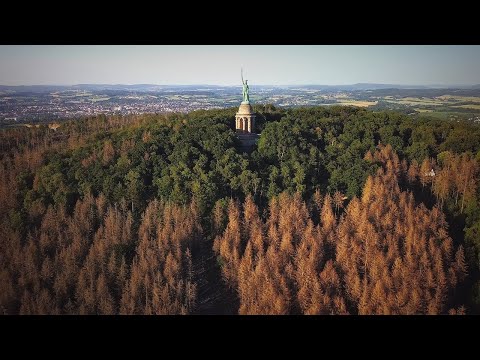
36 104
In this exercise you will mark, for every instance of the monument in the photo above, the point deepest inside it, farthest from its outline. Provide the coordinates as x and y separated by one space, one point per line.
245 119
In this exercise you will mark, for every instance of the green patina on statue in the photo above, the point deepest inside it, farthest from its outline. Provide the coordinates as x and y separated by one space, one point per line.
246 98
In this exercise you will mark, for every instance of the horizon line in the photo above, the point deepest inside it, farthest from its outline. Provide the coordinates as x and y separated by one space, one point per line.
239 85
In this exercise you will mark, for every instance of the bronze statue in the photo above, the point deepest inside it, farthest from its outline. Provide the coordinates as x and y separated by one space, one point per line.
246 98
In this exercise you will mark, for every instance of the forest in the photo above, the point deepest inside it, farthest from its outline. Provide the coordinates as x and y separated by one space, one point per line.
336 210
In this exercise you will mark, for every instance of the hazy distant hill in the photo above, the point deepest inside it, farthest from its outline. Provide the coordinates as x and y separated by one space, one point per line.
360 86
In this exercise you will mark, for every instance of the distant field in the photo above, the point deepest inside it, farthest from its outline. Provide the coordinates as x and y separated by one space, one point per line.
417 102
428 105
100 99
66 96
447 100
357 103
469 106
459 98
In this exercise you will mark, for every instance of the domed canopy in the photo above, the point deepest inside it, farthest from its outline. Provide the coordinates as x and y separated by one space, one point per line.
245 109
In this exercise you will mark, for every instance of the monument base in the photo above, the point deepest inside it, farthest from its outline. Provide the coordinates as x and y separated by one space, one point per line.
247 140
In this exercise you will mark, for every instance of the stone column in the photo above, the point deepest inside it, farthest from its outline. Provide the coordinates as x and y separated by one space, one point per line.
249 121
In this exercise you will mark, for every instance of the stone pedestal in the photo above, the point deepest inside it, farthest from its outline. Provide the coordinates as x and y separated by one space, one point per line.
245 126
245 119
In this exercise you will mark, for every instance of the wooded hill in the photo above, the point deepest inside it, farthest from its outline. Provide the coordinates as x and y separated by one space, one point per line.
338 210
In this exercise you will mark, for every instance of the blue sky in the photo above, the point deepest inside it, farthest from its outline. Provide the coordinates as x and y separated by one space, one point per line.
220 65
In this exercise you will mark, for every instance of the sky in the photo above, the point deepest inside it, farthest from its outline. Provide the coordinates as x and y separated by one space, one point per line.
220 65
